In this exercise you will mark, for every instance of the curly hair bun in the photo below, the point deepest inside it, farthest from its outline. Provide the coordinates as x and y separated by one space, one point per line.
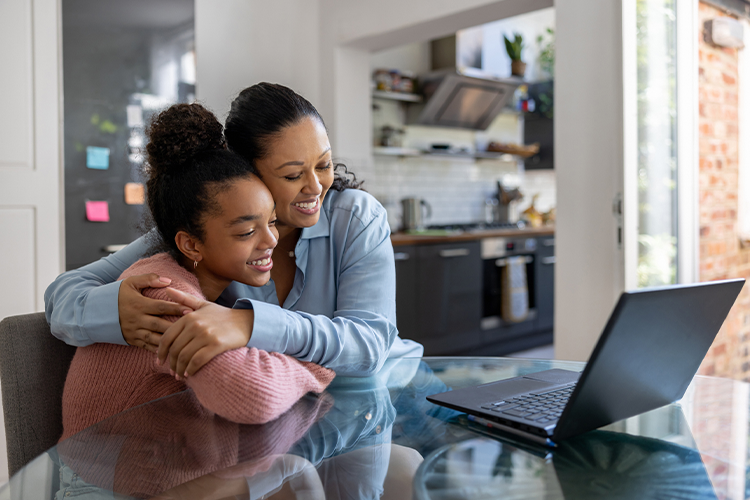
180 132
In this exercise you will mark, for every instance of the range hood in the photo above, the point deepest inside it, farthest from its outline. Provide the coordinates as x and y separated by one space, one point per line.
461 97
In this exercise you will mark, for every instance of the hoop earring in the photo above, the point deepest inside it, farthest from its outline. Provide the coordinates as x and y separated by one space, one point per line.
195 264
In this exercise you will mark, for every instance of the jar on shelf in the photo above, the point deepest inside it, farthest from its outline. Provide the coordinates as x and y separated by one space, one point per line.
407 82
383 80
395 80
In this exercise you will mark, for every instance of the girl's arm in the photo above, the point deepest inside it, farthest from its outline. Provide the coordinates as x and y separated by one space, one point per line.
248 386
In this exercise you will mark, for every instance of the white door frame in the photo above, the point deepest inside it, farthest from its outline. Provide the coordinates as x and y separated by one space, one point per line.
31 214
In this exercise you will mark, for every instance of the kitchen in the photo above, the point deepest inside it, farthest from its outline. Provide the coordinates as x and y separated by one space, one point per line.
461 213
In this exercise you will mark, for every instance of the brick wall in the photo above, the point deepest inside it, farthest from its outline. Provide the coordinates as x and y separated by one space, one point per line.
721 255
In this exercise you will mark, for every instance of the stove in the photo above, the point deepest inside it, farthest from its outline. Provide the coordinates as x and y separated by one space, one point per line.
478 226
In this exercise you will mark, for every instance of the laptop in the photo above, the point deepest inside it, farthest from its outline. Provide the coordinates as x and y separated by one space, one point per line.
651 347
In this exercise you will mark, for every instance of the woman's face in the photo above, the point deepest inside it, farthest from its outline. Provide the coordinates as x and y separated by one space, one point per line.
298 171
238 241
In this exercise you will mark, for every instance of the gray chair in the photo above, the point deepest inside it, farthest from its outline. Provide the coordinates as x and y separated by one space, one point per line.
33 367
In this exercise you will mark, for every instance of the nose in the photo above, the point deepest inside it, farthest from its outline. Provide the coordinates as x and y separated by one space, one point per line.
270 238
312 183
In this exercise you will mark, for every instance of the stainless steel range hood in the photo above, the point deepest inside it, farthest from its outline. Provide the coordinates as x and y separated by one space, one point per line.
459 97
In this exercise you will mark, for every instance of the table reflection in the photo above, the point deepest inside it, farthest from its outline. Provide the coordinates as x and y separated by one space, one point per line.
379 438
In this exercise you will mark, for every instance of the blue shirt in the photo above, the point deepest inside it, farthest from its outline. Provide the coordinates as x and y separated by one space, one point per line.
340 312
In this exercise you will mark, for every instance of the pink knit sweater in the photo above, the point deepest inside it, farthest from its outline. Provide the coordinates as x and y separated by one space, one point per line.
243 385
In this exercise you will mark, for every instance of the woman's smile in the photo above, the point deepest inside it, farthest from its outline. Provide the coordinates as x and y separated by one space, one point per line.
308 207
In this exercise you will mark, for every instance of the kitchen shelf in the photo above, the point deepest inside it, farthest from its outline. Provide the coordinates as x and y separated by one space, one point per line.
389 151
402 152
397 96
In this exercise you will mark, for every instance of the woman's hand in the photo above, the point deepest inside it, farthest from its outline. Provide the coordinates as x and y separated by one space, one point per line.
198 337
140 317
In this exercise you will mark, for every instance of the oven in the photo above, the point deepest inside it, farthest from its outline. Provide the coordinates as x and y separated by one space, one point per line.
495 253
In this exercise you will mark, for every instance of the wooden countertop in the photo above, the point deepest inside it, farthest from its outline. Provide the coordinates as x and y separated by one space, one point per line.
418 239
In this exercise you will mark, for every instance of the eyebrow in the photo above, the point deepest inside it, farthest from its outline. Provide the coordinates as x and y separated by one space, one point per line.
246 218
301 162
241 219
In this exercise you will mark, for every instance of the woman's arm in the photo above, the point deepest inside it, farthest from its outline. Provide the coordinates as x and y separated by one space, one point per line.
88 305
356 341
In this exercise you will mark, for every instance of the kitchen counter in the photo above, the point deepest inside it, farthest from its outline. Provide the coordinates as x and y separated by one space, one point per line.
402 238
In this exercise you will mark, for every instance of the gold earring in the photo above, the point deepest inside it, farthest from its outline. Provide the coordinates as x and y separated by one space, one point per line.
195 264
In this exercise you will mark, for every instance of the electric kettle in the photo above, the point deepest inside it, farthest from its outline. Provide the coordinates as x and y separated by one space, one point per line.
412 215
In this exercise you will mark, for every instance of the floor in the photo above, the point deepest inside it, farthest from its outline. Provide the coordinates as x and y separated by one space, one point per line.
543 352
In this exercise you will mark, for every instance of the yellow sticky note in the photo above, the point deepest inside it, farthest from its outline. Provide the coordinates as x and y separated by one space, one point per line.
134 193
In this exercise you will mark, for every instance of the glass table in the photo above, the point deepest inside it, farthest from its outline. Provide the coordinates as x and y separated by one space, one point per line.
379 438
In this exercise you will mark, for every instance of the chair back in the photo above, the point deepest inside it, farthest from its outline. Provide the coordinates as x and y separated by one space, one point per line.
33 367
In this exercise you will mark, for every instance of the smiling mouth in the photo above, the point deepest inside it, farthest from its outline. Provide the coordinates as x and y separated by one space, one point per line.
308 205
261 262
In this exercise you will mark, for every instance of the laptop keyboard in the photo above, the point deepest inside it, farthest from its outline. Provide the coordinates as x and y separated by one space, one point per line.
539 408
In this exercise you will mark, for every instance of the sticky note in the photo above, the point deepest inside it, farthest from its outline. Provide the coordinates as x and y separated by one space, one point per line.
134 193
135 116
97 158
97 211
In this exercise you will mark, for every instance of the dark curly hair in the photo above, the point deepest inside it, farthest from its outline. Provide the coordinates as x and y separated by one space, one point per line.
261 112
188 163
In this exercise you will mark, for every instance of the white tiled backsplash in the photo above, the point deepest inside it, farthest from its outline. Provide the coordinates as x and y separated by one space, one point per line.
455 187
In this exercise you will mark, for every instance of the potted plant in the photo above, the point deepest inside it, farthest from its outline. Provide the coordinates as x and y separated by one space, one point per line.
514 48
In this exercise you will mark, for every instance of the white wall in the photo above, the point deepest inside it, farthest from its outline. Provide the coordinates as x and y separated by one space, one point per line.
243 42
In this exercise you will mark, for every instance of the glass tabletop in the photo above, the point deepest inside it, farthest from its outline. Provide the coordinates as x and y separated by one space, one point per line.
378 437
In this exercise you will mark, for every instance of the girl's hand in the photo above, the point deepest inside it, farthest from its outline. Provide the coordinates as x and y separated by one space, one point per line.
200 335
140 317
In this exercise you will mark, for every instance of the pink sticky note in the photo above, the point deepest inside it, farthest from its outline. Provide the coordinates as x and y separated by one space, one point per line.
97 211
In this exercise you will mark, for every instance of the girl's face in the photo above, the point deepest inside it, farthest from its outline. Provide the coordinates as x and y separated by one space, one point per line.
298 172
238 241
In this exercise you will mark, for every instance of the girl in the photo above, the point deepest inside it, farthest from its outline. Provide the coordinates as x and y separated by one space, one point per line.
217 223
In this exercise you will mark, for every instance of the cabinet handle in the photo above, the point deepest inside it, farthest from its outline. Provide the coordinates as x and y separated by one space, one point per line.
548 260
549 243
454 252
502 262
400 256
113 248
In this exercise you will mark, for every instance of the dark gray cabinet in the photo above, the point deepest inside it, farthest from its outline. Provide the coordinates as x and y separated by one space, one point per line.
545 279
406 290
439 295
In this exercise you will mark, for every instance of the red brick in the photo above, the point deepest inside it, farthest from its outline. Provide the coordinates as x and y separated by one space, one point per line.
730 113
728 79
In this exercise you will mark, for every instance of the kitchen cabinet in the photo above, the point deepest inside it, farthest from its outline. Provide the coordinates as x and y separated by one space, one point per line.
407 290
545 272
439 295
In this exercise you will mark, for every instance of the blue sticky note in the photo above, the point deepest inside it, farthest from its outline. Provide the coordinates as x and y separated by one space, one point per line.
97 158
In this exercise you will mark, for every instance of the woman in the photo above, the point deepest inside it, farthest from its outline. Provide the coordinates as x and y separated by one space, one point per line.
216 222
331 299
